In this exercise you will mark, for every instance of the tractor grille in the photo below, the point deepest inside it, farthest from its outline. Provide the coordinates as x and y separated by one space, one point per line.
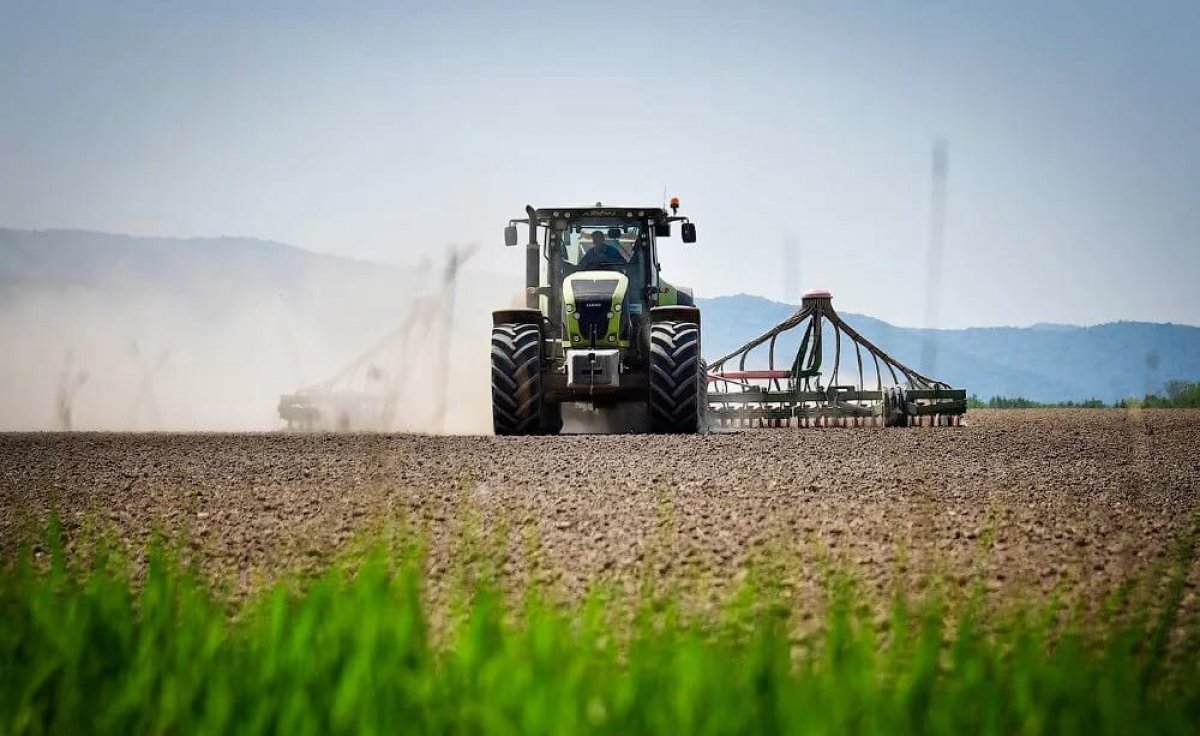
593 302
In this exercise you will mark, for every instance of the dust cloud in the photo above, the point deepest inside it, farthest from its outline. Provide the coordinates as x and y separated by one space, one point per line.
203 349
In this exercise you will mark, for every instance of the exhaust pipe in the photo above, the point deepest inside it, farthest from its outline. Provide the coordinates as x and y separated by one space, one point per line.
533 270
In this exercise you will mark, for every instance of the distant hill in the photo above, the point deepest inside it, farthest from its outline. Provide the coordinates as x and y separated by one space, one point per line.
205 333
210 276
1045 362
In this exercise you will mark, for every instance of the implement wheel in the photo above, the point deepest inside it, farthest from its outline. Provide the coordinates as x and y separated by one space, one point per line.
895 406
677 383
517 406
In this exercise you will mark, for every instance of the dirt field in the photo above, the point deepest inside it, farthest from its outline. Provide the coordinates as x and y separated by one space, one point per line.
1080 499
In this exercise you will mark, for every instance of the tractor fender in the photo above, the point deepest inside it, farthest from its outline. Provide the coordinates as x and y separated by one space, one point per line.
523 316
676 313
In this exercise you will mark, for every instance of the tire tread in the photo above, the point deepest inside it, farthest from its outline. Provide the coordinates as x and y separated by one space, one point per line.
676 378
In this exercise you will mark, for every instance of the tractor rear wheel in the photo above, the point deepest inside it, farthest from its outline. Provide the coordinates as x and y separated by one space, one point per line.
517 405
676 377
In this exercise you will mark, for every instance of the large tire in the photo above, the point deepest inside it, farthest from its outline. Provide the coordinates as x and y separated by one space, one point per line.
517 406
676 379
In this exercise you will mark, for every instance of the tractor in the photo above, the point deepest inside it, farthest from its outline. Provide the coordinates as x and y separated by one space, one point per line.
599 326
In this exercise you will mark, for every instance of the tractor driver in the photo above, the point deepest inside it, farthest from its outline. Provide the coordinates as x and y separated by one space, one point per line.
600 253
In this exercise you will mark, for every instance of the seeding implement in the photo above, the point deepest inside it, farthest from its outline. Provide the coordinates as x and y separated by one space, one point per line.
879 390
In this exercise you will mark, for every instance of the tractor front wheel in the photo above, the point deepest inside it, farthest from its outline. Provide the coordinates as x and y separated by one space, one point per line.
517 405
676 377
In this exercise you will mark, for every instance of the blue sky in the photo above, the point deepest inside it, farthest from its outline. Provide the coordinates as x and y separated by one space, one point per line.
387 130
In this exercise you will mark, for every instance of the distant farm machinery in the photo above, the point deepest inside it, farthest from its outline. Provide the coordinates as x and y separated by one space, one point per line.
383 389
878 391
363 395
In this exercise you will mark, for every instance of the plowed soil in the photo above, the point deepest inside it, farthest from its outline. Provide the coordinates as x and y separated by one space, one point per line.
1066 499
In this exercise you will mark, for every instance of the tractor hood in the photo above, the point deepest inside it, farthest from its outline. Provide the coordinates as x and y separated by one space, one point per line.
593 302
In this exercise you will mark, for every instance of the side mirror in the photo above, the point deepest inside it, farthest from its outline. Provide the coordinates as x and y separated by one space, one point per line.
510 235
689 232
662 229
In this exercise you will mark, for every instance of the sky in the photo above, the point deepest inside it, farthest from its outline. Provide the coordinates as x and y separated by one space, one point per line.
386 131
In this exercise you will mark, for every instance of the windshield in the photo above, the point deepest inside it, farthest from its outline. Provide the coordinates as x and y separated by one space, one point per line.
598 244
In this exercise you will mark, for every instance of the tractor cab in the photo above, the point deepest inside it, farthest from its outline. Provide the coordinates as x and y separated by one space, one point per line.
600 245
597 270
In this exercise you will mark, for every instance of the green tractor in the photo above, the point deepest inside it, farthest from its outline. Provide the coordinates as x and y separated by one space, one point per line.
599 325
